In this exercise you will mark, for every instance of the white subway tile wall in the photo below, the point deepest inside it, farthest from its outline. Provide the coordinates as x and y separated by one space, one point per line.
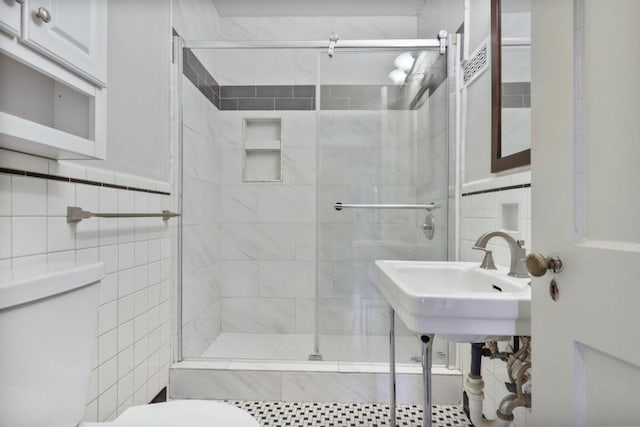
479 214
131 362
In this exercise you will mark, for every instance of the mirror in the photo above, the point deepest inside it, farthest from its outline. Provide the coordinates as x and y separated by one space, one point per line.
510 84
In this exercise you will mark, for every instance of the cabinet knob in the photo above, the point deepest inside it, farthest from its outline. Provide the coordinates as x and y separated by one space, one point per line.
44 14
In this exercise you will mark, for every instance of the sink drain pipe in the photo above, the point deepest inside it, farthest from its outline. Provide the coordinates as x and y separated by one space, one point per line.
518 366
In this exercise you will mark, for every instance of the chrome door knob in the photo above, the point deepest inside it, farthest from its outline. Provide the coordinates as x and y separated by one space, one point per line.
538 264
44 14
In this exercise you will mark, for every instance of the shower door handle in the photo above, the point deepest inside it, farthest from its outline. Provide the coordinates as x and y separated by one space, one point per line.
428 206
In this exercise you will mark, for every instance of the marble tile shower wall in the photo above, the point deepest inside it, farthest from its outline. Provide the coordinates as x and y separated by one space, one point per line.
132 354
267 231
364 157
201 306
433 169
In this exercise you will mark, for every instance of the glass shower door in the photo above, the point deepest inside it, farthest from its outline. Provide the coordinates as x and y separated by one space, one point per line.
379 142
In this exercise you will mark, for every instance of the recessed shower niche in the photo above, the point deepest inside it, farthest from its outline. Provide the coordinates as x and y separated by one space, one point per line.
262 141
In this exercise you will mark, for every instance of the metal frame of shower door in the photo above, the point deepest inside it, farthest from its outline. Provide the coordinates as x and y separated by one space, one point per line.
177 136
454 153
314 44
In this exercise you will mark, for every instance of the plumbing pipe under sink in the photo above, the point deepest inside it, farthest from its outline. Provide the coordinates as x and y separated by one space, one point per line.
518 366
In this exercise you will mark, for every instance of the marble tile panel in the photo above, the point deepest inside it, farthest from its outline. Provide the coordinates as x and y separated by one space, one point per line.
335 242
193 113
355 279
200 156
198 294
304 166
305 68
305 315
222 384
305 241
246 241
239 278
338 387
286 204
298 129
342 316
286 279
231 166
239 203
200 246
395 166
346 166
270 315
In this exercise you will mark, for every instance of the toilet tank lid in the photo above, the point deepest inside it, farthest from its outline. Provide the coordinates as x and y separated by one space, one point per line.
28 283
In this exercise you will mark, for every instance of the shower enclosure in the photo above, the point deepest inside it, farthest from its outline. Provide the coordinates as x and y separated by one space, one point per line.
272 136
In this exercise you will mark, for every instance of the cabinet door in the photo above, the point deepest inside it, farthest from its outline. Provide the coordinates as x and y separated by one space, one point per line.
10 16
72 32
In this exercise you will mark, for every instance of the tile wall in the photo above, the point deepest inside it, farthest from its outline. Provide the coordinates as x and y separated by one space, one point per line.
483 209
307 381
249 247
132 354
364 157
201 171
433 167
267 231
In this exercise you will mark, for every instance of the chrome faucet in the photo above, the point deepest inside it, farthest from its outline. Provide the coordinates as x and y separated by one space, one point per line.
518 253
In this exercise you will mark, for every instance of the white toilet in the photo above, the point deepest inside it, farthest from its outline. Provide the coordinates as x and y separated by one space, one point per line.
48 324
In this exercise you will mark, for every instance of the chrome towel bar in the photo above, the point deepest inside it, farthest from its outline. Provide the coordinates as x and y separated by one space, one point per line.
76 214
428 206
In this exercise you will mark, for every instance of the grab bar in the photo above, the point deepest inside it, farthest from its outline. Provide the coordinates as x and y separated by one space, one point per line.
428 206
76 214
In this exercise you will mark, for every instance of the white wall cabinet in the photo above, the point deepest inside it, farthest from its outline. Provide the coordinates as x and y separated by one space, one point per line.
73 33
53 78
10 16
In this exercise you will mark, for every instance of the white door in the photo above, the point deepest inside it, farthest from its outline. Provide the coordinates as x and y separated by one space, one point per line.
586 208
72 32
10 16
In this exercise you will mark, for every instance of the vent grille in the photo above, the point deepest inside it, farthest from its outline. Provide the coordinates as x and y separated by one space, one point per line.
478 63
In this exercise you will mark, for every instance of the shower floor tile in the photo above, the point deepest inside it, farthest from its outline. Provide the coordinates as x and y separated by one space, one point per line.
315 414
358 348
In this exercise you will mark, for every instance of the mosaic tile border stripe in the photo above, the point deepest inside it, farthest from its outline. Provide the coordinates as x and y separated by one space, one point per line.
303 97
78 181
279 97
516 95
493 190
251 97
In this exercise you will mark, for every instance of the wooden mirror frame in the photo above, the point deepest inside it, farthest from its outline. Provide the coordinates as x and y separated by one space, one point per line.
521 158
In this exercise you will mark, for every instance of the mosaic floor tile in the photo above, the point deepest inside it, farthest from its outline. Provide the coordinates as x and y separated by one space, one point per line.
321 414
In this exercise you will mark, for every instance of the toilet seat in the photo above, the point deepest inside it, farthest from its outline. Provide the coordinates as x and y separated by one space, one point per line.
182 413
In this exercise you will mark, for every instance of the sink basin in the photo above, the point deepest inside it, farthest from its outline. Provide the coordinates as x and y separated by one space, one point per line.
457 300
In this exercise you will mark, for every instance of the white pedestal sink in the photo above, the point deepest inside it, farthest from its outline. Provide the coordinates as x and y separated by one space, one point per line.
457 300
